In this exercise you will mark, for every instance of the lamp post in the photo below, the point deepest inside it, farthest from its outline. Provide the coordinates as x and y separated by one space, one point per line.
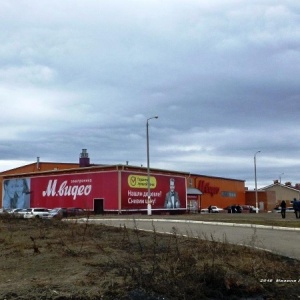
280 177
148 167
280 187
256 201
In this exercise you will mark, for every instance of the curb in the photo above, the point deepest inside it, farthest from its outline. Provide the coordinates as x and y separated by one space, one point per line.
198 222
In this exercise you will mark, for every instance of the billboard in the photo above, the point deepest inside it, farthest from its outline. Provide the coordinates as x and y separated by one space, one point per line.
71 190
119 190
167 192
16 193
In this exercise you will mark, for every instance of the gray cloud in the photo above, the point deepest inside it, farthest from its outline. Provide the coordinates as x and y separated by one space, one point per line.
221 75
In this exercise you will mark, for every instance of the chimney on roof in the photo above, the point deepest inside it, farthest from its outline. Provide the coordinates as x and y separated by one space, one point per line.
288 183
84 160
38 163
276 181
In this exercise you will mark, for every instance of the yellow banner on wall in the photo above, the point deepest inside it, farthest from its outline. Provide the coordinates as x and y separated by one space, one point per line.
141 182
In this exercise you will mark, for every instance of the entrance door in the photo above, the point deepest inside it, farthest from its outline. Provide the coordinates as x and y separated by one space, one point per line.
98 206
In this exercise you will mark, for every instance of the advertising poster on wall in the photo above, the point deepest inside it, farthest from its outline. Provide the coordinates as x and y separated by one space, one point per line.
167 192
16 193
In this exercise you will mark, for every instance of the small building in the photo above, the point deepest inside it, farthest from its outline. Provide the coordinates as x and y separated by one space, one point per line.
266 200
285 192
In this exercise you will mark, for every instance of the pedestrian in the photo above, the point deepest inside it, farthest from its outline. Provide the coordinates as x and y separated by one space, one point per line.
283 208
209 209
296 206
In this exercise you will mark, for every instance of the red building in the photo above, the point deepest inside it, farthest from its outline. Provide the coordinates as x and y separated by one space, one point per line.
116 188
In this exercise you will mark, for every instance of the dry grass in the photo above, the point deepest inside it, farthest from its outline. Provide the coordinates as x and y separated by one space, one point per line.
46 259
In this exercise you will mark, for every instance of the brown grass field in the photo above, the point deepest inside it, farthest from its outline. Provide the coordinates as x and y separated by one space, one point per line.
52 259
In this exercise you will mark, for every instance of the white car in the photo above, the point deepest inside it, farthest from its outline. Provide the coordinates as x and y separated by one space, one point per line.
213 209
253 209
37 212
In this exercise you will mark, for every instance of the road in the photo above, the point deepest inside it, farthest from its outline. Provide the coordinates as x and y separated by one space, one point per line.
279 240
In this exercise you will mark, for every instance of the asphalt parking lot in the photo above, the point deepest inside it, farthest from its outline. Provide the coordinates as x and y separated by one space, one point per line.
270 219
267 231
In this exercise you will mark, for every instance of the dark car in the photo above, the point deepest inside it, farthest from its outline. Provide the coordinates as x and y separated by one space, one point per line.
75 211
233 209
65 212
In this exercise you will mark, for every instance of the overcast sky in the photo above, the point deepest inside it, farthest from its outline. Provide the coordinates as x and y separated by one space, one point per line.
223 77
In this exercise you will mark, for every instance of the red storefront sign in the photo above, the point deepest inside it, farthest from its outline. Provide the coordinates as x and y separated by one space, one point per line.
206 188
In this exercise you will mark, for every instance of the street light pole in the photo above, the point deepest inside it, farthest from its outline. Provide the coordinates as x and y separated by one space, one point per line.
280 187
148 167
280 177
256 200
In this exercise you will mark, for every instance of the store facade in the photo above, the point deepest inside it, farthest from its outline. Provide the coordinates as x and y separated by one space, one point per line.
115 188
217 191
109 189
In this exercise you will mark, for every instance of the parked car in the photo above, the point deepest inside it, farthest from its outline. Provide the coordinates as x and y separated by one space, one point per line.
249 208
58 213
36 212
241 209
75 211
233 208
64 212
254 209
19 212
14 210
213 209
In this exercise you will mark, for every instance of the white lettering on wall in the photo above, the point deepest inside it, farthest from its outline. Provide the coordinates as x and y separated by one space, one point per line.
66 190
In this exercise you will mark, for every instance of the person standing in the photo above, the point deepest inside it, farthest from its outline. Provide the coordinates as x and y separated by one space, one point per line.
296 206
283 208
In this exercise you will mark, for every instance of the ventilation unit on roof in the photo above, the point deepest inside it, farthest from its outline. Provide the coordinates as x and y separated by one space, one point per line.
84 160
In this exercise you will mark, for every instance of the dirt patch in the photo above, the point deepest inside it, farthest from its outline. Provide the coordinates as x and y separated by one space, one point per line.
48 259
